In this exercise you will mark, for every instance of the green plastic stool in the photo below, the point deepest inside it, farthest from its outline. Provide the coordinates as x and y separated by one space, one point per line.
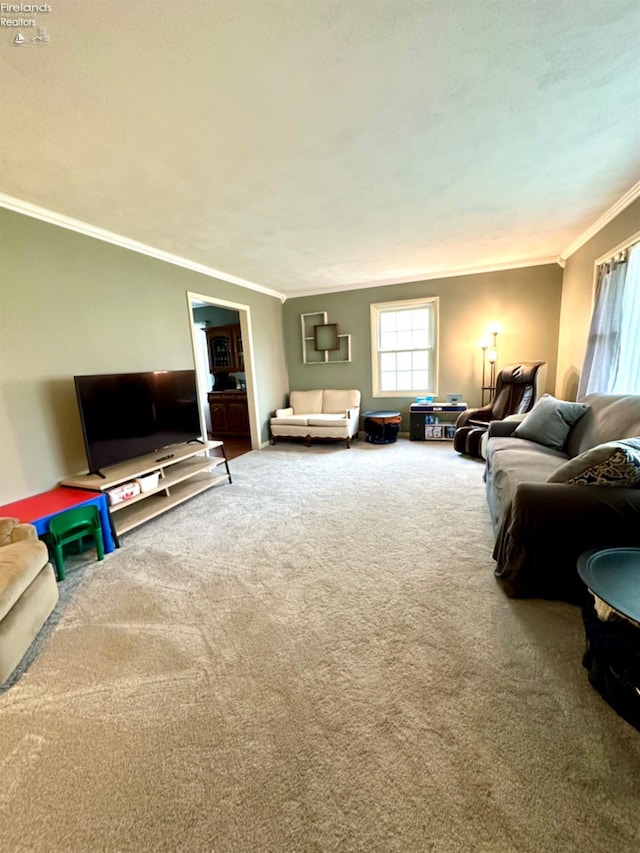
72 526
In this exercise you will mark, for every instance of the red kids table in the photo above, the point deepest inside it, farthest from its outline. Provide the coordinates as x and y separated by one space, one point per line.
40 509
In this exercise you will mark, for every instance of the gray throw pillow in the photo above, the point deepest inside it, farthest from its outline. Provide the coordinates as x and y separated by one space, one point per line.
550 420
614 463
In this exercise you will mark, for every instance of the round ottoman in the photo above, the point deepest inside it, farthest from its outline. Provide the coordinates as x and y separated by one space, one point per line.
382 427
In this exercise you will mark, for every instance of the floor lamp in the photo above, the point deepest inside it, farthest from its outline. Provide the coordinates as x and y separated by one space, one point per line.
489 347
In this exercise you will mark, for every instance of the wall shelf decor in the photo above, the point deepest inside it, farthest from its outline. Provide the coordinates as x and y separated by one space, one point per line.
312 338
325 336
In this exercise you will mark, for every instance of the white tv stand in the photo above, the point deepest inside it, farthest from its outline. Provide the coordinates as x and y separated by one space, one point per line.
185 471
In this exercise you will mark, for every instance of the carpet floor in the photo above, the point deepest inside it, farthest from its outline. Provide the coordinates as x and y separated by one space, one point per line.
316 657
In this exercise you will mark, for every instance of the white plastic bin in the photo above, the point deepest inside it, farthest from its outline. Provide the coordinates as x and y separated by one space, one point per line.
123 492
149 481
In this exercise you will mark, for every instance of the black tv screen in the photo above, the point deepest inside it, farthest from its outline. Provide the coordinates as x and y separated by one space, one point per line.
125 415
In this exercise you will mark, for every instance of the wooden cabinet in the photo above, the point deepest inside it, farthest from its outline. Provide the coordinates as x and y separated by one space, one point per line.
229 413
224 346
227 404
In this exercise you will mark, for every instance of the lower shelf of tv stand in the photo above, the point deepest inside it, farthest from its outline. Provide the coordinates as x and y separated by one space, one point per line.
183 473
127 515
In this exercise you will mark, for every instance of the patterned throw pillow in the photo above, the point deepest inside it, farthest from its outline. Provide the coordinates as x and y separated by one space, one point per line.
550 420
614 463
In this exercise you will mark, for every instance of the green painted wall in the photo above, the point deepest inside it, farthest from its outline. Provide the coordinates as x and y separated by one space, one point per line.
578 292
72 304
526 301
214 316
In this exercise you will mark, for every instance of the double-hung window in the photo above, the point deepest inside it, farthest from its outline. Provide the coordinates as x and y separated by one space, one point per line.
404 350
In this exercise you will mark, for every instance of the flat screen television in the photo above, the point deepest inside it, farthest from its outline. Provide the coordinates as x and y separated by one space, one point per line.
125 415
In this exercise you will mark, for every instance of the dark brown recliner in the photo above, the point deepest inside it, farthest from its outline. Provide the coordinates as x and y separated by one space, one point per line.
516 392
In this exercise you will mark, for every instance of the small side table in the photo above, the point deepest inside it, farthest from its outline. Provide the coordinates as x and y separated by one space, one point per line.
613 574
382 427
612 627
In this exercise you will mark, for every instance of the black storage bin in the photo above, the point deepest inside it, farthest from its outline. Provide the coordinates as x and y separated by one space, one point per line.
612 659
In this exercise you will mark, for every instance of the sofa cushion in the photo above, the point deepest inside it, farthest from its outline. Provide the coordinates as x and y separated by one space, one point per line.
610 418
511 461
337 401
7 526
327 420
304 402
291 420
550 420
614 463
20 563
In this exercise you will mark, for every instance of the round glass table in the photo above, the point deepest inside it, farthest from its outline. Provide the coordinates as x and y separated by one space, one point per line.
613 574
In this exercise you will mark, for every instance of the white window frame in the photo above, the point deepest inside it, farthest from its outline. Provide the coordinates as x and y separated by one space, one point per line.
378 308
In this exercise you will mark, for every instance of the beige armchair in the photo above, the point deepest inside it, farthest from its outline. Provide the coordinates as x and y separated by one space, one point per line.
28 591
324 413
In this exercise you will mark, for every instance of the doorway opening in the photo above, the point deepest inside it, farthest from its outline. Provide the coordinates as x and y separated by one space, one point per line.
227 392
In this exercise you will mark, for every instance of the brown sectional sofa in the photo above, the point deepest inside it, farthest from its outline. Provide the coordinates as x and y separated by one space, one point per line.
541 526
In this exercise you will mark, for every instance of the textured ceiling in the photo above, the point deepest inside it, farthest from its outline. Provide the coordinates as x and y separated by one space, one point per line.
307 145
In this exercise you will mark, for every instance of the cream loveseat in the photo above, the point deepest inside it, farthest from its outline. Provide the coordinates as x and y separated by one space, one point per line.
28 591
329 414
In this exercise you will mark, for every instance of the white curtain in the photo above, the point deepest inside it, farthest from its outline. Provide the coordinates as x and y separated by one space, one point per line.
626 379
612 360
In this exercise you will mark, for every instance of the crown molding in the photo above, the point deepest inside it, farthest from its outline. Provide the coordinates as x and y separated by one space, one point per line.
50 216
611 253
60 220
432 275
628 198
